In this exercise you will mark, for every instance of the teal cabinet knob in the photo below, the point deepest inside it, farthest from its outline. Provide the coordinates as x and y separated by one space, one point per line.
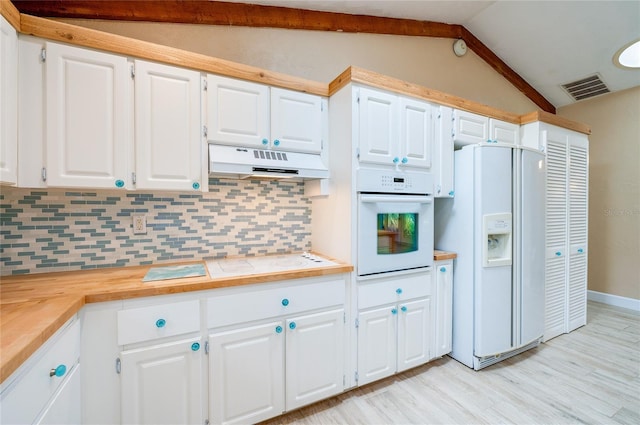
394 311
265 142
399 291
278 329
292 325
285 302
396 160
403 308
580 250
58 371
160 323
195 346
443 269
451 193
119 183
405 160
558 253
276 142
195 185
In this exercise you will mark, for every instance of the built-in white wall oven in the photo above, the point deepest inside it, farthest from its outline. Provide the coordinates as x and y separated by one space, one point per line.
395 221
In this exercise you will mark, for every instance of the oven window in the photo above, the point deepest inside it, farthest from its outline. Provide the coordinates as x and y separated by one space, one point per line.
397 233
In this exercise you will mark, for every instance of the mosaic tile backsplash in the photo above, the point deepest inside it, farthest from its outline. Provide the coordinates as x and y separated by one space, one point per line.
46 230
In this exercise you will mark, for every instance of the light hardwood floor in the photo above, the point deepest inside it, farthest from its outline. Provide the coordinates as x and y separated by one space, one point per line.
591 376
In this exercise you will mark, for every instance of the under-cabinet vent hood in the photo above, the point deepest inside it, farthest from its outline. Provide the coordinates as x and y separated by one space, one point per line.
235 162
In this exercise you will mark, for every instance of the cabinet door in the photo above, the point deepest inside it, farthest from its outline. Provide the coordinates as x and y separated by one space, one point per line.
378 122
578 173
167 111
64 407
443 308
555 235
469 128
162 384
296 121
416 133
87 119
246 374
414 333
442 168
238 112
8 103
377 344
314 357
504 132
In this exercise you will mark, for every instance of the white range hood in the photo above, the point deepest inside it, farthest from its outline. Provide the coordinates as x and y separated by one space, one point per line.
236 162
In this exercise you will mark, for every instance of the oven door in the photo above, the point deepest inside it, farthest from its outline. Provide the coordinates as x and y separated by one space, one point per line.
395 232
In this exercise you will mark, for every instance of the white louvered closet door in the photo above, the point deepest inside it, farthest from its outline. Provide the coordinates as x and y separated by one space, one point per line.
578 227
556 237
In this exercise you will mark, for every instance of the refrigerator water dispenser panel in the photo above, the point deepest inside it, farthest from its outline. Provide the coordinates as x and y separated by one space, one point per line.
497 230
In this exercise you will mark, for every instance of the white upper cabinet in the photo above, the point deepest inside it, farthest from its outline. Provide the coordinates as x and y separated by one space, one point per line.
394 130
168 152
247 114
87 119
8 103
470 128
442 168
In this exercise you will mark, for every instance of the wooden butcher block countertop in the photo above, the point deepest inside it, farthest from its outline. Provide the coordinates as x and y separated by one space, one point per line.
34 307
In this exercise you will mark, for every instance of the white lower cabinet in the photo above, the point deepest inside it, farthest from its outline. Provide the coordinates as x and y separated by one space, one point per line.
394 325
46 388
292 354
162 384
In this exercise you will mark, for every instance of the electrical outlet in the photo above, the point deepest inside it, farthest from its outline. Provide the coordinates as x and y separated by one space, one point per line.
139 224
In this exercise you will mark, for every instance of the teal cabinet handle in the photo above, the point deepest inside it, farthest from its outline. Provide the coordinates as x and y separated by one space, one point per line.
285 302
399 291
119 183
195 185
160 323
403 308
276 142
558 253
580 250
394 311
396 160
443 269
292 325
405 160
195 346
265 142
451 193
58 371
278 329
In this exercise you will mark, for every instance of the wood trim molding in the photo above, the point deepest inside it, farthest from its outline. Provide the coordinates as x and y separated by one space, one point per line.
10 13
66 33
363 76
554 120
251 15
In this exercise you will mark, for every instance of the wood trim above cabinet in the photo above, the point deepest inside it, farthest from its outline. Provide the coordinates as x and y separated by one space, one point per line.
554 120
363 76
67 33
10 13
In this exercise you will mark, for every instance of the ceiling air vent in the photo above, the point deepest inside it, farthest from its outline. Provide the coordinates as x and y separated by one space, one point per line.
586 87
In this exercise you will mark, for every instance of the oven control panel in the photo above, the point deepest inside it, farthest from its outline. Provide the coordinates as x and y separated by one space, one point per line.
369 180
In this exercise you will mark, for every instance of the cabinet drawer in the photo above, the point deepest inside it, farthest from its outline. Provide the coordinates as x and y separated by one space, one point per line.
274 301
30 393
393 289
158 321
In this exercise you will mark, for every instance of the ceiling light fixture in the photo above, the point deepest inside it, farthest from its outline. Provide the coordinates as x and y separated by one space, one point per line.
628 57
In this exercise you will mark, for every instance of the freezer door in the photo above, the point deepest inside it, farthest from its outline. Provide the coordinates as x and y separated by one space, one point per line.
493 284
531 245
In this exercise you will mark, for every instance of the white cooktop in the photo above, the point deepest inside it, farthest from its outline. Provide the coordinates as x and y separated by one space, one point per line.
266 264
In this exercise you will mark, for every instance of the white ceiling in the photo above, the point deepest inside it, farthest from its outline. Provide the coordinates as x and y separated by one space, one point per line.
548 43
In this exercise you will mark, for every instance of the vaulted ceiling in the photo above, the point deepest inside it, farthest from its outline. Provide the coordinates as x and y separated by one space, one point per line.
537 45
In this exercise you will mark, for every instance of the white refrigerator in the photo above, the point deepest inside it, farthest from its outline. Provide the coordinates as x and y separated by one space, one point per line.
496 225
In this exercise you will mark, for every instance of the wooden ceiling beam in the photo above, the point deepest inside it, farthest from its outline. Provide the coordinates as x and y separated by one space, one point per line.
251 15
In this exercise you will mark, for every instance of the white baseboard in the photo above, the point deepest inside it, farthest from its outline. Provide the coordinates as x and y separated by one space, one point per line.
615 300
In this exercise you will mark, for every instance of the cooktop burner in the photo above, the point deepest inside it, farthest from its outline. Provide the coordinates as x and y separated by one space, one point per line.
266 264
